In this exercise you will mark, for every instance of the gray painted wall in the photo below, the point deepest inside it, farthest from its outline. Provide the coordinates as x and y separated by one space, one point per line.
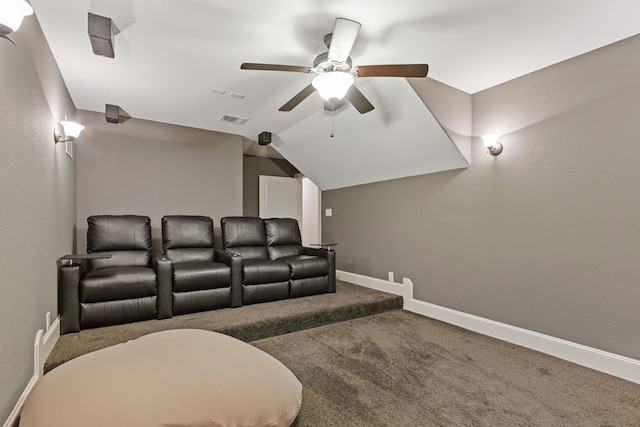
37 201
546 236
148 168
253 167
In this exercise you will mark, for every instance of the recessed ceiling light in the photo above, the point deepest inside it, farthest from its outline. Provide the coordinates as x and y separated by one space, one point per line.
236 95
218 91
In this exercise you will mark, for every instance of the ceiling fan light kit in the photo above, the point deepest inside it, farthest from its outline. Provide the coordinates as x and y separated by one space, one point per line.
335 74
334 84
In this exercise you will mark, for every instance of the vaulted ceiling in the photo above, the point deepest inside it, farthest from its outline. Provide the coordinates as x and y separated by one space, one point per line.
179 62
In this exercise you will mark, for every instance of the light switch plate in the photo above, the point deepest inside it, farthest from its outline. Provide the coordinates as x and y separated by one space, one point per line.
328 212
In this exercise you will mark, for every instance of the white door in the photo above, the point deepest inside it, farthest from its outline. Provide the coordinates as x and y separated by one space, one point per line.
310 227
299 198
280 197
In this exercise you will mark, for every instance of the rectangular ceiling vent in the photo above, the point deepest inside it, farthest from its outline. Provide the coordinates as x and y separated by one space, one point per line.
233 119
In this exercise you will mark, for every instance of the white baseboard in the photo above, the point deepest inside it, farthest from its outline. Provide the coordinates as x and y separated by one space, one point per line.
12 420
610 363
372 283
49 340
44 343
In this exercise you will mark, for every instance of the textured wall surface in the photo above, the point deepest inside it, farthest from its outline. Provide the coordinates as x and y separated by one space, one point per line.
148 168
37 201
546 236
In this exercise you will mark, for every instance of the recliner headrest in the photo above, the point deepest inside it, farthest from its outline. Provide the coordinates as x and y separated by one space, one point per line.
118 233
243 231
282 231
187 231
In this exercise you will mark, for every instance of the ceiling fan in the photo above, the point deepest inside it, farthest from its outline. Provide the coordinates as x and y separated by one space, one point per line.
335 72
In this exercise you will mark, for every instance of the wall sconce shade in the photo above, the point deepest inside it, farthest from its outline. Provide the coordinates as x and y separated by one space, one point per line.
71 131
11 14
492 144
333 84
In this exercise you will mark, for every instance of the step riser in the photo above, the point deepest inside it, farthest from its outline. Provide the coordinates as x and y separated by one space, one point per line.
248 323
270 328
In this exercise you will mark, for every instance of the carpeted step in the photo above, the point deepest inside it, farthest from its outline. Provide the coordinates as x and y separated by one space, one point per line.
248 323
274 326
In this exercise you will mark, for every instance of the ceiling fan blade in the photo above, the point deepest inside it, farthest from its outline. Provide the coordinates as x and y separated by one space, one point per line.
399 70
343 37
274 67
298 98
358 100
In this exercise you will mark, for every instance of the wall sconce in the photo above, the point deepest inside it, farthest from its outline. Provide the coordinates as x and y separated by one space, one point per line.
11 14
71 131
492 144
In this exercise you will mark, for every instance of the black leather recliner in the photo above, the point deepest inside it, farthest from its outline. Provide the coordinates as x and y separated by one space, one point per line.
312 270
275 265
263 279
119 289
192 274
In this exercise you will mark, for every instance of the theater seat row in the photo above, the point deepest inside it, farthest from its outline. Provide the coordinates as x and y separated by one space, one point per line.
120 281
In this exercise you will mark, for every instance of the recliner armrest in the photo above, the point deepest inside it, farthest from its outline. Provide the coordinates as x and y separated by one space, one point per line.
235 262
164 275
324 253
330 255
69 276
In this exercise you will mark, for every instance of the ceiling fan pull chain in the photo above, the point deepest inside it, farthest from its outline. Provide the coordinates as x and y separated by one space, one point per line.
332 134
333 113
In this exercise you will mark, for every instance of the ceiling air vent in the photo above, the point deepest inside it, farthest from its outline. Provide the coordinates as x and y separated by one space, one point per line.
233 119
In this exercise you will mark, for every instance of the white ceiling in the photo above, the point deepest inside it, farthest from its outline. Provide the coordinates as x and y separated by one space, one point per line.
171 54
397 146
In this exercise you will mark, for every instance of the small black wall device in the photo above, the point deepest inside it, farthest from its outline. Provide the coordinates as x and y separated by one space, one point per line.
101 35
112 113
264 138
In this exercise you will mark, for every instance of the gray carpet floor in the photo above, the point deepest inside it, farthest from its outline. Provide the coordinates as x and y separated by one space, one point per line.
401 369
363 361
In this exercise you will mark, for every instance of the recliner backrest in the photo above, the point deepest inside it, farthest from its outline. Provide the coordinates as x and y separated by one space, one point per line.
187 238
126 237
283 237
244 236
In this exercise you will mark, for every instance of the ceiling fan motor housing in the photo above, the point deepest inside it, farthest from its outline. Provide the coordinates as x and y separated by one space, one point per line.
322 63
